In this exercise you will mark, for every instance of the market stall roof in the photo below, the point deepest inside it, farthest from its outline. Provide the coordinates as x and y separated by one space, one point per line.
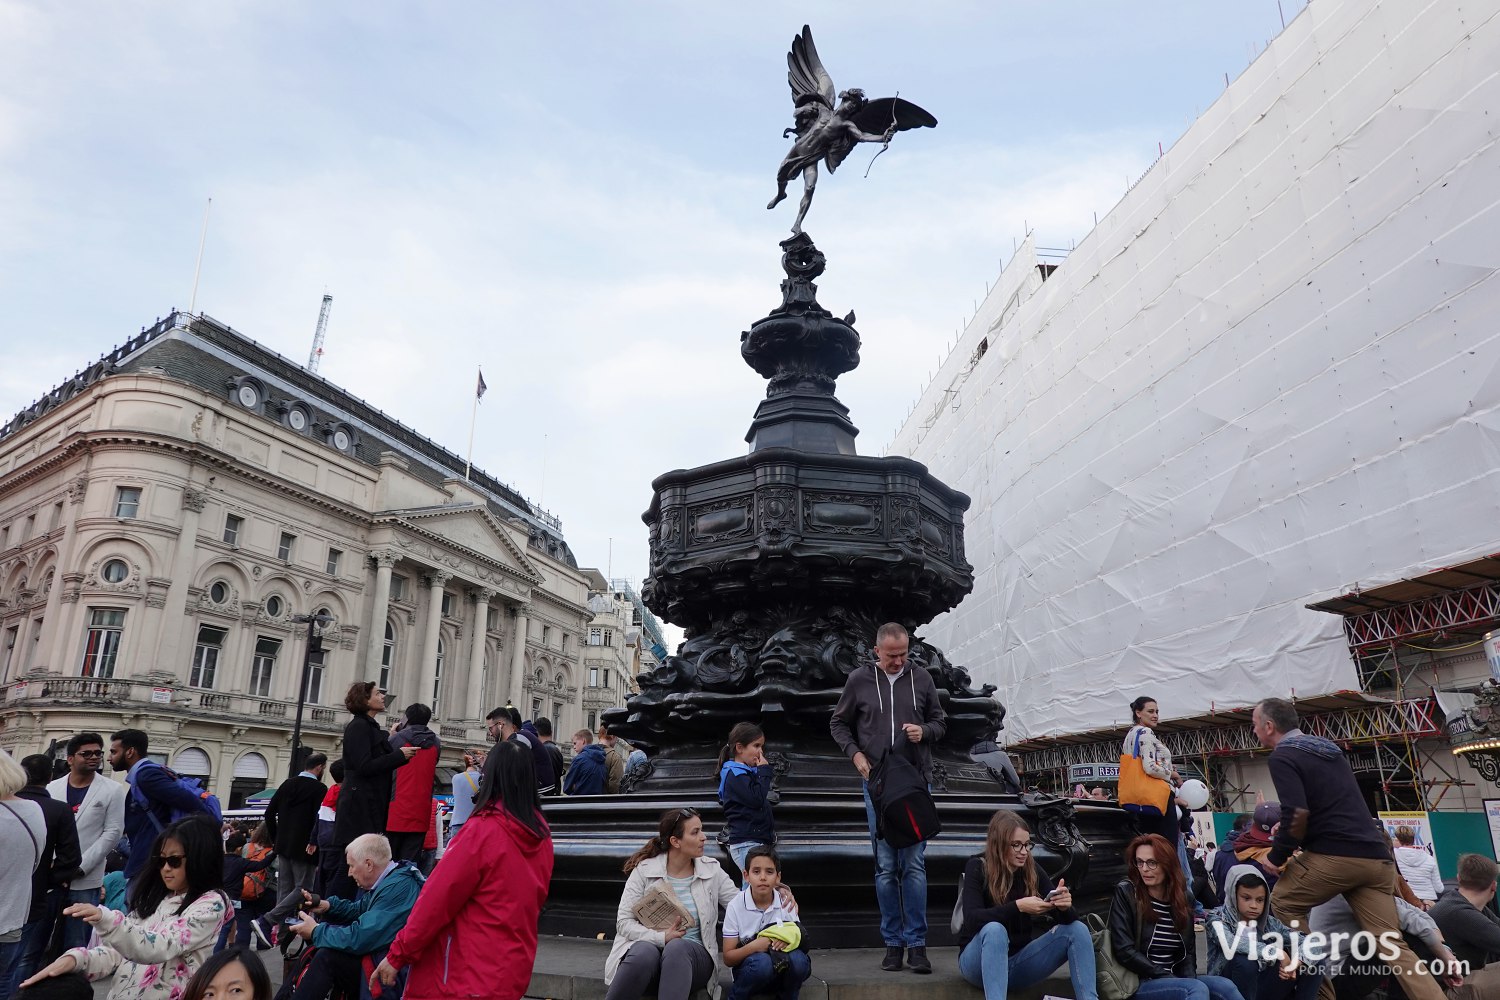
1334 702
1418 588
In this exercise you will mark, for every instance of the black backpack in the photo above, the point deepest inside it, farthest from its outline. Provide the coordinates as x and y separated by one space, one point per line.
905 813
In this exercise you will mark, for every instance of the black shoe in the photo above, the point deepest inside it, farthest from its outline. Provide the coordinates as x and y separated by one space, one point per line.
917 959
892 960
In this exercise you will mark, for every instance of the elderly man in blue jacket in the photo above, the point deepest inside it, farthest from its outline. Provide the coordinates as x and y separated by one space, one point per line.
353 930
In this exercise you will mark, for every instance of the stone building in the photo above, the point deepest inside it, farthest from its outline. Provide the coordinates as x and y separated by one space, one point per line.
165 514
607 659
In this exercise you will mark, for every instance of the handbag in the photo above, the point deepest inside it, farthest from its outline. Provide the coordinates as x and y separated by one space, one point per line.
1139 791
1114 980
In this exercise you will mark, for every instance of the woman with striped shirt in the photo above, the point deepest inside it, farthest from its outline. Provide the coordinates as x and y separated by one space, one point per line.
1151 929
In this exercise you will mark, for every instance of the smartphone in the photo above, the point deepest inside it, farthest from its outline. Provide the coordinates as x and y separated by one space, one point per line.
1054 892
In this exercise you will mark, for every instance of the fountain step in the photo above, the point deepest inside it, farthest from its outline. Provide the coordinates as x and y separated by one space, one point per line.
573 969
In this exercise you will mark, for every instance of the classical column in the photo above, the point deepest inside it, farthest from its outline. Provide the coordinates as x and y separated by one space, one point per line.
518 658
428 672
169 643
474 706
62 632
379 610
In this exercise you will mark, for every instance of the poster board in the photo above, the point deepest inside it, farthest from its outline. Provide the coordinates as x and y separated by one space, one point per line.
1492 815
1416 819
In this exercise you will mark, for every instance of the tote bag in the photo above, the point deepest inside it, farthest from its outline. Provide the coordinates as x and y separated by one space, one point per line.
1139 791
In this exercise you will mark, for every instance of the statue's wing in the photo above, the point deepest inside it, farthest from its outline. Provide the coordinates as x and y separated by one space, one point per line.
805 72
879 114
873 119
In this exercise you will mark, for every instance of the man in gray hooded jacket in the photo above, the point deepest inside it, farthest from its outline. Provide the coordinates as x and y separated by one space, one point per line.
891 707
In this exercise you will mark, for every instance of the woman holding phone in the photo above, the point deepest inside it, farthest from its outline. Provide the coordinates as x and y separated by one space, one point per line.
1004 891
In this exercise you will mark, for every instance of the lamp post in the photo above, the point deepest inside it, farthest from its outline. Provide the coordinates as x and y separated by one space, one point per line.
314 645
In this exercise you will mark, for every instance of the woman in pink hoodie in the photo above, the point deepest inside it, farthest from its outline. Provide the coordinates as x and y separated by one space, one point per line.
472 932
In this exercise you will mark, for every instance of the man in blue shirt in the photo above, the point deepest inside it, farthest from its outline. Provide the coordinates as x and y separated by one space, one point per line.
150 781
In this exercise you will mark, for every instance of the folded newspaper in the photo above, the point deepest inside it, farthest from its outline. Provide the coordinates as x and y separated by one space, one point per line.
660 909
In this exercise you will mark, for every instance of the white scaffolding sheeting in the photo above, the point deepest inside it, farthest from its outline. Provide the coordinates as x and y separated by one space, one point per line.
1267 376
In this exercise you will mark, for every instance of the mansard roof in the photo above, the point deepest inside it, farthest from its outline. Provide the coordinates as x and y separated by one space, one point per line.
207 354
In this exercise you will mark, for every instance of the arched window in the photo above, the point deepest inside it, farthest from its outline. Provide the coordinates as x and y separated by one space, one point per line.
437 675
387 656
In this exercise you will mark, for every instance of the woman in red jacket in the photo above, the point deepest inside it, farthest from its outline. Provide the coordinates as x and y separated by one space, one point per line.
472 932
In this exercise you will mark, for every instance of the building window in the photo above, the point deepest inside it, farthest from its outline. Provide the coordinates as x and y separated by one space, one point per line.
315 678
601 637
556 715
593 677
492 620
5 537
232 525
206 656
546 634
565 644
593 721
387 656
536 709
127 501
114 571
284 547
606 677
56 516
218 593
36 643
274 606
266 651
437 675
12 636
30 528
447 605
334 555
398 588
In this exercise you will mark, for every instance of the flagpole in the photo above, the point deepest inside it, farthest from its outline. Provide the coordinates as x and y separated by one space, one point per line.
473 419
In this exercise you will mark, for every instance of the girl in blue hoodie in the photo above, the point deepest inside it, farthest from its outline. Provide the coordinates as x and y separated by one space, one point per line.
745 790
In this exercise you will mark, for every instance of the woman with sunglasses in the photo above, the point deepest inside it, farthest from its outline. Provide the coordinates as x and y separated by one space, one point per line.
684 958
176 911
1002 944
1151 928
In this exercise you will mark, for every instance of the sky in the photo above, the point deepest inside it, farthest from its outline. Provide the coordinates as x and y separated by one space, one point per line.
571 195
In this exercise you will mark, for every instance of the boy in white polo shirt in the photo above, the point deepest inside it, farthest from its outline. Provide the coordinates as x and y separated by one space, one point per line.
762 940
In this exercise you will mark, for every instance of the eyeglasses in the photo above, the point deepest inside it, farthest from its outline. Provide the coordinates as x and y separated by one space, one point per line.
172 861
1147 864
90 754
1020 845
686 814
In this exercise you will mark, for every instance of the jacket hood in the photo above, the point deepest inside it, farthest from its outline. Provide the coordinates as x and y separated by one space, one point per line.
1251 838
405 871
526 842
1236 875
593 750
420 737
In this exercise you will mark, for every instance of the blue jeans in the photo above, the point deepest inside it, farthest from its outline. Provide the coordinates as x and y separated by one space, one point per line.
1202 988
738 852
76 932
8 953
1255 983
35 934
986 960
757 974
900 888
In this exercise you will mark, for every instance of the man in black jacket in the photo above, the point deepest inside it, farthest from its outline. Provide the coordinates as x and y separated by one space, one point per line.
59 865
891 707
291 816
1342 852
1468 926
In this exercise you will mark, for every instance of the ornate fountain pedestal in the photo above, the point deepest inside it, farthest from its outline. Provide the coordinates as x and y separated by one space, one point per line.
780 565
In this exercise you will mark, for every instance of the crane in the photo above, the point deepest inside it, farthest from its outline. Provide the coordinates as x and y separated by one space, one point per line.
316 354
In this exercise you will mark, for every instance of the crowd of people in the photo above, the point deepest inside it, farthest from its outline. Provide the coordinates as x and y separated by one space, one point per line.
139 884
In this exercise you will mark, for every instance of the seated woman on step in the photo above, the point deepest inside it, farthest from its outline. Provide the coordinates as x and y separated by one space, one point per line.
1005 942
675 961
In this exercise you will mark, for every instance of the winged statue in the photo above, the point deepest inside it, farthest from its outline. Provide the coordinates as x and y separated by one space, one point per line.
826 131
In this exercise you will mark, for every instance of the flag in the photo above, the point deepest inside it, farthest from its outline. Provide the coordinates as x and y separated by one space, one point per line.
479 389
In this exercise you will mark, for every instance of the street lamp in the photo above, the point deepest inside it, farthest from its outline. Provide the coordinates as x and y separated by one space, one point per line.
314 645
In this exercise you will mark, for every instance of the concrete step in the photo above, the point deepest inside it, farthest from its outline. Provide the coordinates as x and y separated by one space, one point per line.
573 969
